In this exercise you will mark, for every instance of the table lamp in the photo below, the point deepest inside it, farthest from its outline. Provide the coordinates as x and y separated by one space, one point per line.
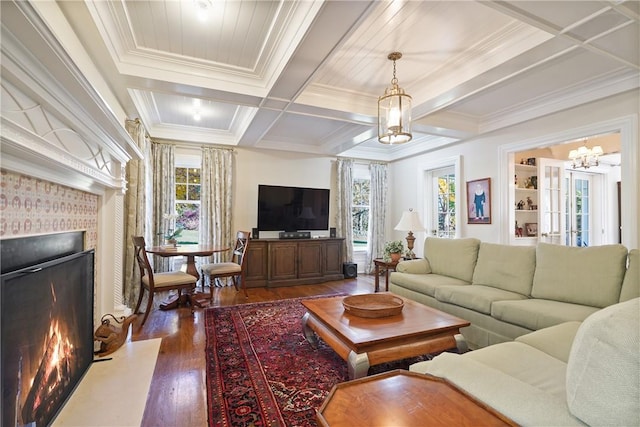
410 222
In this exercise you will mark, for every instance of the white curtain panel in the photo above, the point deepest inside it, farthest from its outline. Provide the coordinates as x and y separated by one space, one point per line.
216 201
344 221
377 213
164 197
135 209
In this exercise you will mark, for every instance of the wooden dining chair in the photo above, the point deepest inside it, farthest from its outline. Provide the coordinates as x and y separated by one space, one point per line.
234 268
157 282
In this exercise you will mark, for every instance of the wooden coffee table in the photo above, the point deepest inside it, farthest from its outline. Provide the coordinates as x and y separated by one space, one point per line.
403 398
364 342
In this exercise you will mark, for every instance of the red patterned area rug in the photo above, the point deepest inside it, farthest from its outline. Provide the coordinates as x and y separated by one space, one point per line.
262 372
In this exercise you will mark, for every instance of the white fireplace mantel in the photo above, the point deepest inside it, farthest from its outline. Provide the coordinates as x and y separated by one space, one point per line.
56 126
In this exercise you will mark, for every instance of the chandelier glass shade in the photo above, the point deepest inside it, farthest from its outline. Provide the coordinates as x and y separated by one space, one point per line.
585 157
394 111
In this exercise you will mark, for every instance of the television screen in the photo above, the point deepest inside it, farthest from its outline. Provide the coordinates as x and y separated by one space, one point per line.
292 208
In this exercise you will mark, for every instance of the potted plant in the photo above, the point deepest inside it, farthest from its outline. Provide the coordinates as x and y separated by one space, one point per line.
393 250
172 236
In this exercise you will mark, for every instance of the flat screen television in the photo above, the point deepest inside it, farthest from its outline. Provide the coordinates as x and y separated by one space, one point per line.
282 208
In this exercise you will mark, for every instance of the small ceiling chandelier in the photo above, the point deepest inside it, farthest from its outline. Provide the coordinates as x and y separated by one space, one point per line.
585 157
394 111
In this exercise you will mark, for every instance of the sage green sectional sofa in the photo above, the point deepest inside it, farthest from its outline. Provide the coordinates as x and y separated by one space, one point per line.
507 291
570 374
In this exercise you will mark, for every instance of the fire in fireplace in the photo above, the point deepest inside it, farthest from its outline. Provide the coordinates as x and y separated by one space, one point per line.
46 336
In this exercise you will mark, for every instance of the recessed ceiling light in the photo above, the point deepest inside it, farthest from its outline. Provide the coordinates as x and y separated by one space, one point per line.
203 4
203 7
197 105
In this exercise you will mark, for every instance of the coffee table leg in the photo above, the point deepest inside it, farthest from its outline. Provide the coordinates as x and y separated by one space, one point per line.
308 332
357 365
461 343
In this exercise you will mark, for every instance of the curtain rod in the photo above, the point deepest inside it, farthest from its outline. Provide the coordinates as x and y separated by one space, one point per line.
176 143
192 146
363 162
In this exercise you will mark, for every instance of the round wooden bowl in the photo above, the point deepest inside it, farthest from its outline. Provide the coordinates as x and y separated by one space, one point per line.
373 305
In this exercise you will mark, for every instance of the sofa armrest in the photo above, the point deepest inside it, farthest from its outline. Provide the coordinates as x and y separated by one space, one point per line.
414 266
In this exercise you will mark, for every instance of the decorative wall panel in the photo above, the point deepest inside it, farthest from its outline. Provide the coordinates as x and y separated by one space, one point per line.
33 206
26 113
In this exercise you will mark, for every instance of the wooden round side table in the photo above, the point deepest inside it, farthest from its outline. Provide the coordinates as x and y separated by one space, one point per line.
383 267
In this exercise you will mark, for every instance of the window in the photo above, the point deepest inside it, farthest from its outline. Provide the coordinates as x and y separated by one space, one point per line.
188 203
360 206
360 212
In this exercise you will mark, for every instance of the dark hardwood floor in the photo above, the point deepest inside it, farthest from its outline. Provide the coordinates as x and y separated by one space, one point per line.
177 396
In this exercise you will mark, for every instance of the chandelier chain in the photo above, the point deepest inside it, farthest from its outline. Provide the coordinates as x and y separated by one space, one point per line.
394 80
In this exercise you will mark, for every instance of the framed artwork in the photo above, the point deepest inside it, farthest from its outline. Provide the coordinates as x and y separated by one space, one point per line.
531 229
479 201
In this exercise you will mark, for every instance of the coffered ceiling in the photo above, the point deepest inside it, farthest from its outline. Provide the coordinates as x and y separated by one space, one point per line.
305 76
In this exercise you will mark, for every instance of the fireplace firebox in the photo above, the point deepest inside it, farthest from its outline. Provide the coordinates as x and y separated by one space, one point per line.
46 327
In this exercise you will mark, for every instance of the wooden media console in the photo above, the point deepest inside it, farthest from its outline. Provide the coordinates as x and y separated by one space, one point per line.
283 262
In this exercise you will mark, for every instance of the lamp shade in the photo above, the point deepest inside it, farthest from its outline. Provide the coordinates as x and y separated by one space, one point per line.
410 221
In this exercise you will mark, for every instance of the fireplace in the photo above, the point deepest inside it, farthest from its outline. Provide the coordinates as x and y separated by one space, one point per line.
46 329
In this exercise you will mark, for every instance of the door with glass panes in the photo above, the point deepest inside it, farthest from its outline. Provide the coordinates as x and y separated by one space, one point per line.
443 190
551 206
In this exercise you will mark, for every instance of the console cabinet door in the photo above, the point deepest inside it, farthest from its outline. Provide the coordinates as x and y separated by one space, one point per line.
310 259
333 257
284 260
257 266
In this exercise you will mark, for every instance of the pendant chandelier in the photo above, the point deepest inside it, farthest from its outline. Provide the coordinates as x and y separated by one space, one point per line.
394 111
585 157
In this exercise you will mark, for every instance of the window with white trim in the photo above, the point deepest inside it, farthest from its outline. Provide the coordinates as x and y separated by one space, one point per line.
187 205
361 190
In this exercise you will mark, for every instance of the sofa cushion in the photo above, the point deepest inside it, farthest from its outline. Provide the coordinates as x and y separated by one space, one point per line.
524 403
526 363
555 340
603 373
588 276
452 257
631 282
475 297
505 267
424 283
536 314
